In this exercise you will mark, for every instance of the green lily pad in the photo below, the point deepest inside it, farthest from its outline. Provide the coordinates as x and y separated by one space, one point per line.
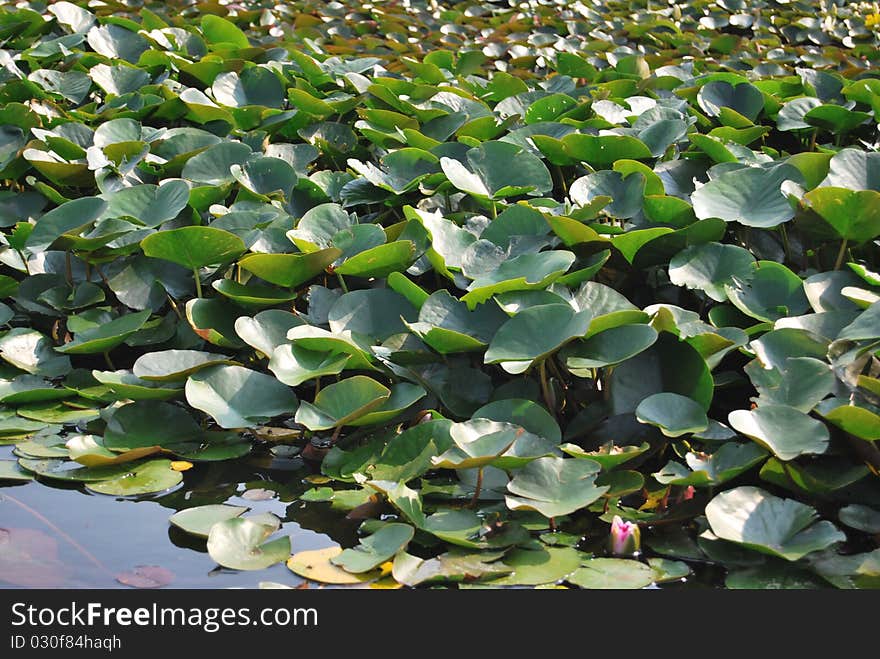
376 549
146 478
10 470
30 351
845 214
534 333
490 175
30 389
403 395
237 397
609 455
751 196
785 431
376 313
448 327
521 412
708 267
674 414
199 520
240 543
175 365
125 384
89 450
544 565
253 296
342 402
608 347
266 330
863 518
612 573
858 421
289 270
193 247
481 442
780 527
554 486
527 272
728 462
107 336
771 293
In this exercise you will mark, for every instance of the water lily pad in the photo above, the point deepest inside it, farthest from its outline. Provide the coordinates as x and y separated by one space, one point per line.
315 564
342 402
193 247
175 365
729 461
252 295
533 567
554 486
784 430
710 266
199 520
107 336
781 527
240 543
10 470
481 442
375 313
266 330
750 196
521 273
490 175
126 385
609 455
772 292
608 347
674 414
289 270
847 214
376 549
612 573
30 351
146 478
534 333
521 412
238 397
863 518
89 450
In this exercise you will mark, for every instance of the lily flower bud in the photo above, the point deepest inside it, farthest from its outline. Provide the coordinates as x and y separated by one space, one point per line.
626 538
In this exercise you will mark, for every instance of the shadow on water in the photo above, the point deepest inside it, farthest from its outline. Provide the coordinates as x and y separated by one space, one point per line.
88 539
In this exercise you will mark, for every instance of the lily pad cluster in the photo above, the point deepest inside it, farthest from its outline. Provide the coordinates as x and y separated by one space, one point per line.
497 272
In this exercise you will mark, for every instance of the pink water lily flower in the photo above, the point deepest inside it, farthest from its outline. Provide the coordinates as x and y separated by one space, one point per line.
626 538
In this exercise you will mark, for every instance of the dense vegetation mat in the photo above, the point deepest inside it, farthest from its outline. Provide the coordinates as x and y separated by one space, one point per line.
499 272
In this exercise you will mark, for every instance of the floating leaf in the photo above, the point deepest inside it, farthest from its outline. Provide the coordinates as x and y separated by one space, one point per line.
781 527
240 543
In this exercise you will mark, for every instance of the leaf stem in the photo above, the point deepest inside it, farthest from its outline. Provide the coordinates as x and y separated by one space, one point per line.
477 488
109 361
198 282
840 254
545 387
342 283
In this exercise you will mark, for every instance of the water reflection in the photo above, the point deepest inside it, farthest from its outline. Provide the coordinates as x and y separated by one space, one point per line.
109 535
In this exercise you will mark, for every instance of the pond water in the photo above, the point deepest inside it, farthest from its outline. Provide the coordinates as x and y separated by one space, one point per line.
97 537
120 534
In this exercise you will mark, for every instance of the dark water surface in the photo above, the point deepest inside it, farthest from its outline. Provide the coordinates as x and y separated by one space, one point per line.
121 533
